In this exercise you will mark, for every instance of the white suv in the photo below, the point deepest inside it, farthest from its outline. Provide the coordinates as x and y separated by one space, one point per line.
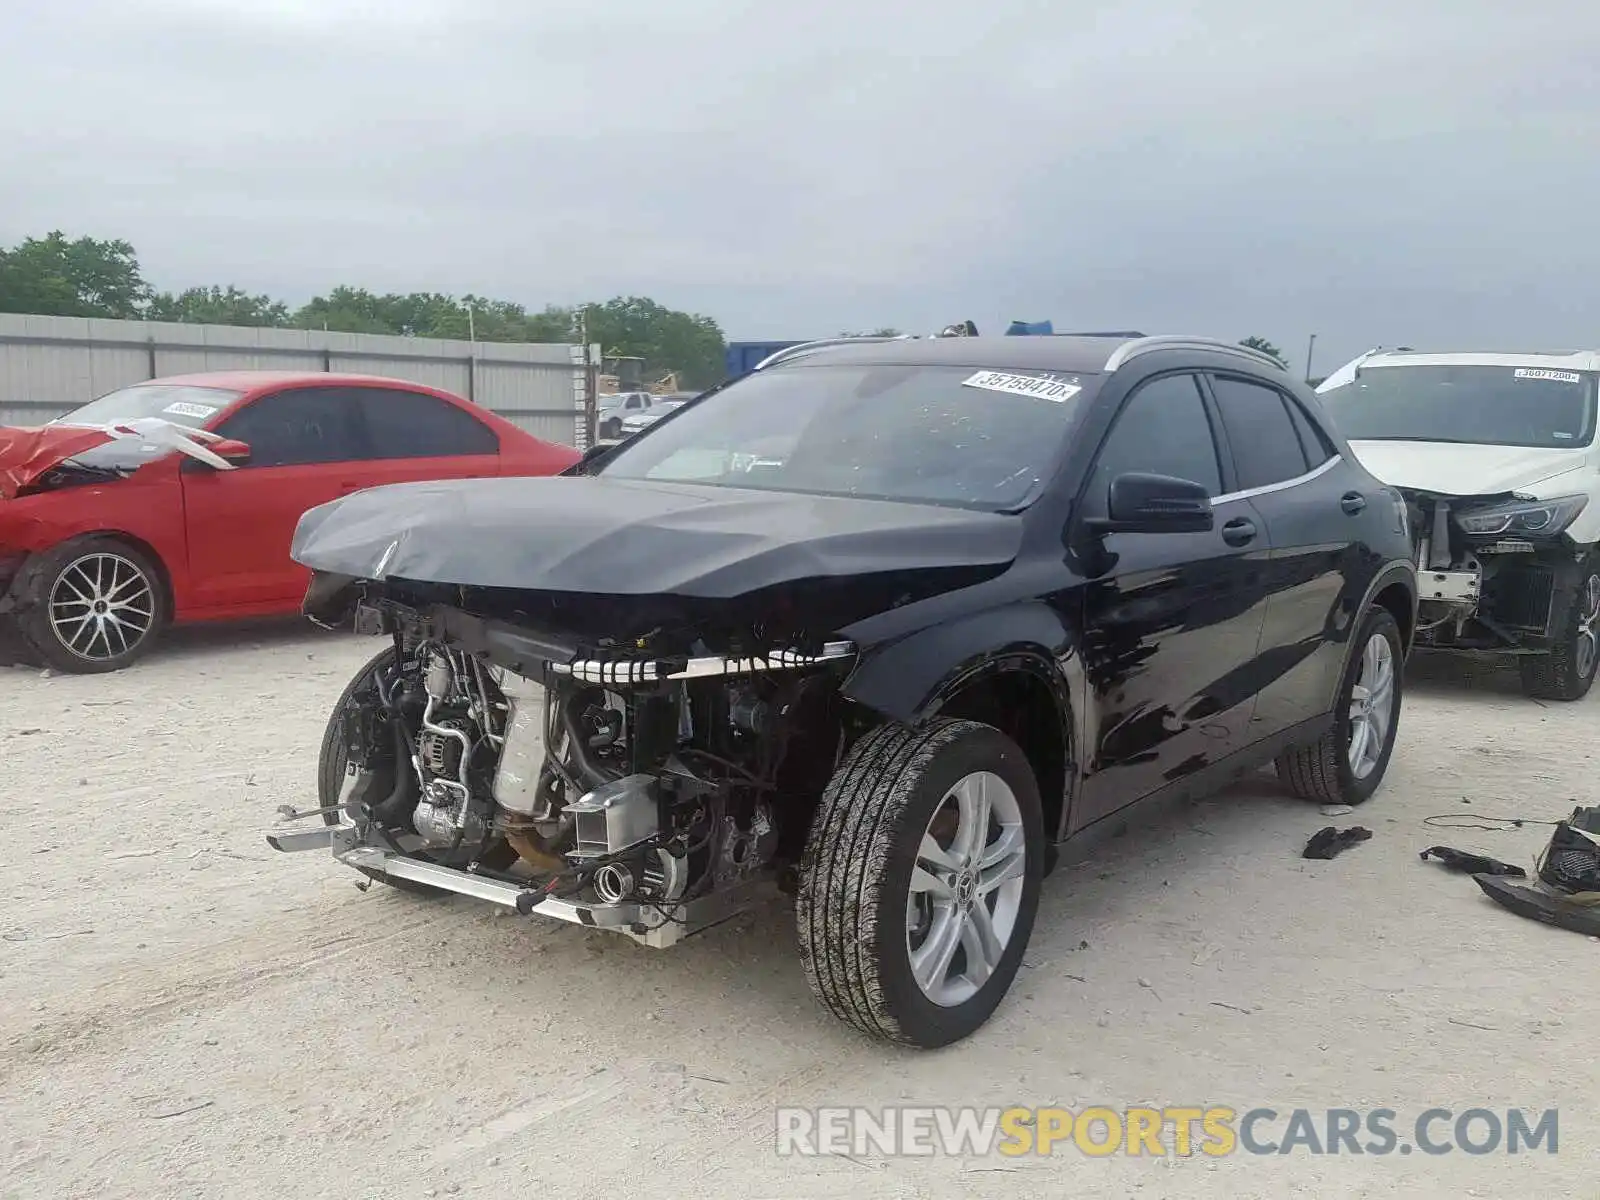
1496 456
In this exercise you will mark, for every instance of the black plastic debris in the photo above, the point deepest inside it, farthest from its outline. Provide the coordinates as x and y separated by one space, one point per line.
1330 842
1471 864
1567 891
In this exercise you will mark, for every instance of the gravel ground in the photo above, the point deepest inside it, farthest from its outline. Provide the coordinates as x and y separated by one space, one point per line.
185 1013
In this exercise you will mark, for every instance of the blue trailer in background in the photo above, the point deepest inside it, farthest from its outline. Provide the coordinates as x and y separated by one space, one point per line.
743 357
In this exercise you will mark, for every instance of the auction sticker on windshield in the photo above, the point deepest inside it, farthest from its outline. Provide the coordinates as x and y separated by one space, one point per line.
1546 373
1043 387
182 408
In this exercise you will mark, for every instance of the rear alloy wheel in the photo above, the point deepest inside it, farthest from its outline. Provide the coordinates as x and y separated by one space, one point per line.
1567 672
1347 764
920 881
97 605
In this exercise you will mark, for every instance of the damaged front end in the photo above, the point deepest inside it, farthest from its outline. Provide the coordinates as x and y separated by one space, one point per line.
1495 572
505 749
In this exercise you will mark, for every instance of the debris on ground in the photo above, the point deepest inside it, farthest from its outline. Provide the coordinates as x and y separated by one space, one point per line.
1468 863
1567 891
1329 842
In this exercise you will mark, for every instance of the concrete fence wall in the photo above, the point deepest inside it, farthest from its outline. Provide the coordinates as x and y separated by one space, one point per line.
49 365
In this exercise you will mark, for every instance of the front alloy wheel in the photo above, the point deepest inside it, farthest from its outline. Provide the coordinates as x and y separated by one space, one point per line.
920 880
966 889
96 605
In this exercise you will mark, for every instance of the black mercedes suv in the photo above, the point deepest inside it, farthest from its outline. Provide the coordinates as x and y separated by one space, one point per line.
892 620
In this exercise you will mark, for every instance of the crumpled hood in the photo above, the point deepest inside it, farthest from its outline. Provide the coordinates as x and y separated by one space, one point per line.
27 452
1460 470
588 534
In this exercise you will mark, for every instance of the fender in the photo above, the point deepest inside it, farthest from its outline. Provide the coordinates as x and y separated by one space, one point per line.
1398 571
909 679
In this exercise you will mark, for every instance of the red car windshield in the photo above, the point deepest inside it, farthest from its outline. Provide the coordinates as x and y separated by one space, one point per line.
180 403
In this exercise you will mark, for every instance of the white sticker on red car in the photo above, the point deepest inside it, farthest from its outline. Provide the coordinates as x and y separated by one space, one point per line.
183 408
1043 387
1546 373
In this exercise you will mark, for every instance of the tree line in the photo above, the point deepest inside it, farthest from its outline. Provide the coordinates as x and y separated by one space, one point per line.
89 277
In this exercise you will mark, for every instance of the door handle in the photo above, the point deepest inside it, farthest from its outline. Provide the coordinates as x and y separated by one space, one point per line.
1240 531
1352 503
351 487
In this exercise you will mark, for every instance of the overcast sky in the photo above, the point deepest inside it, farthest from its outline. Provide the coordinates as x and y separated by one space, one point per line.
1408 172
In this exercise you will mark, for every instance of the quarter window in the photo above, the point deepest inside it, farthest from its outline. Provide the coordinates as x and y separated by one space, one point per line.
1266 447
1161 430
1312 440
298 428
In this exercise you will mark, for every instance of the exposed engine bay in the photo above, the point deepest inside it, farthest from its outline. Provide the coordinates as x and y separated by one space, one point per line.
1487 578
622 790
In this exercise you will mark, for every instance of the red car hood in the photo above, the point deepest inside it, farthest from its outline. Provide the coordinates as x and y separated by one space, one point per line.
27 453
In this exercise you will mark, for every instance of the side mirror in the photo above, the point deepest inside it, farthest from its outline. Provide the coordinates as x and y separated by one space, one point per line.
234 453
599 449
1141 503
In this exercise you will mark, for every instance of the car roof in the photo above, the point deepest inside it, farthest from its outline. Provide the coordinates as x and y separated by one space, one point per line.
249 381
1075 354
1571 360
1078 355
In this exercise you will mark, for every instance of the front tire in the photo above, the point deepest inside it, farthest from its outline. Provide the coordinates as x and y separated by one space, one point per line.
333 761
920 881
95 605
1347 764
1568 671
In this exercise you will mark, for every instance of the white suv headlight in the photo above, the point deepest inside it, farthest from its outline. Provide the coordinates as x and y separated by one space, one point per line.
1523 518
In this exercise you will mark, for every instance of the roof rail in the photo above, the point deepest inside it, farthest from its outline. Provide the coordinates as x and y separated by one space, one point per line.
1144 345
821 343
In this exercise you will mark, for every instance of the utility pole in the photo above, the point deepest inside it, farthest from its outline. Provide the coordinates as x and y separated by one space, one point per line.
1310 346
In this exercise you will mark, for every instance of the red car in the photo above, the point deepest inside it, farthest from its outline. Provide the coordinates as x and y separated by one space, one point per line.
175 500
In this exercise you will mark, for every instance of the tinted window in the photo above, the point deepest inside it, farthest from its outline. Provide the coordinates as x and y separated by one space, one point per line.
305 425
966 436
1313 441
412 425
1266 448
1161 430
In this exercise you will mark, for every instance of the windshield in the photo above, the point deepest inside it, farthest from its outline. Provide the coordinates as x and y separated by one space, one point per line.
945 435
182 404
1486 406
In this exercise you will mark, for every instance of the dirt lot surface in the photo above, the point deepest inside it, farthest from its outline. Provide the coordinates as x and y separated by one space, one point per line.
185 1013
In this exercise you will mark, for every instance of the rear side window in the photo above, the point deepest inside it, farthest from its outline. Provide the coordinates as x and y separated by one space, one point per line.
1266 446
1161 430
1313 441
404 424
299 427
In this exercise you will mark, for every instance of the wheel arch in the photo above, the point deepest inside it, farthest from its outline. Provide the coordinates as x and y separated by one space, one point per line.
1017 669
30 578
1395 588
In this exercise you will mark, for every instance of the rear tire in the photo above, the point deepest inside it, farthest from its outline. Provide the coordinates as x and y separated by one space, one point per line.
94 605
1568 671
1338 768
904 936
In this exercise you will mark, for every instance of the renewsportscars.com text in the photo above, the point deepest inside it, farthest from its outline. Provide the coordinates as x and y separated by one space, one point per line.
1214 1130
